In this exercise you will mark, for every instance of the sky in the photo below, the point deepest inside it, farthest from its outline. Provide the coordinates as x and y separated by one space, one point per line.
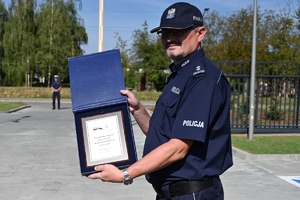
125 16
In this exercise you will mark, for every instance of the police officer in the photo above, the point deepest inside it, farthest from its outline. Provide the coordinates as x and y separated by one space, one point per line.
56 86
188 143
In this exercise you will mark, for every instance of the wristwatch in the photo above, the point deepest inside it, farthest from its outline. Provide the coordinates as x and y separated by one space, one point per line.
127 179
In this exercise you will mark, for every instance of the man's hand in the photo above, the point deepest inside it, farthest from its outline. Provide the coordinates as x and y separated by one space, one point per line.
133 102
138 111
108 173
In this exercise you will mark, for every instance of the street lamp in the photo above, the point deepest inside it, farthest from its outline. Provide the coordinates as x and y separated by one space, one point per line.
3 14
205 10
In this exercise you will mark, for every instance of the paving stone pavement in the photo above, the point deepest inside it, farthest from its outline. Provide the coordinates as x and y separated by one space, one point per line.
38 156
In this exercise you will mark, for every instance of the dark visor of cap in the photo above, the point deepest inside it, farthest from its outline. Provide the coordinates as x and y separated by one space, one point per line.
169 27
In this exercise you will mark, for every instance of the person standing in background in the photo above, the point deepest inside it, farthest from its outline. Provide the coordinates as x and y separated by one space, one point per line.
56 86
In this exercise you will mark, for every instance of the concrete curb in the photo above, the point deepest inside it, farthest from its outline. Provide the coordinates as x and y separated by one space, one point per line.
251 157
19 108
34 100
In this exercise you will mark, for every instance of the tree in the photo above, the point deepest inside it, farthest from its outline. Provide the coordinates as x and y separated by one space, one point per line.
3 15
39 40
19 42
215 28
284 38
129 75
149 57
60 33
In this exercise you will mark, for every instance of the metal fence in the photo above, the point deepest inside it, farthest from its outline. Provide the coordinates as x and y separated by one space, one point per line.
277 97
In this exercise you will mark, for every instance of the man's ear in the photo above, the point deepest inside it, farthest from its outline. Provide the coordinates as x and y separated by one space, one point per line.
201 31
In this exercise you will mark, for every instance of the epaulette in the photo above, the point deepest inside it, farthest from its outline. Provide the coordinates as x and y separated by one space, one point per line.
199 71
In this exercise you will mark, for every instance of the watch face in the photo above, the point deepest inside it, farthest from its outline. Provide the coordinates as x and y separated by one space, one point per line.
127 182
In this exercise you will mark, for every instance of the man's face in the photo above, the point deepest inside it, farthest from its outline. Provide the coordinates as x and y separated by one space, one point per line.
180 43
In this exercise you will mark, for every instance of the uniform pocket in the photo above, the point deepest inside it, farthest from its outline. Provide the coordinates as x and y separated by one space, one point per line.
171 102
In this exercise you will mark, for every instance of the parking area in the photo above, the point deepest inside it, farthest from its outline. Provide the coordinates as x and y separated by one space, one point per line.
39 161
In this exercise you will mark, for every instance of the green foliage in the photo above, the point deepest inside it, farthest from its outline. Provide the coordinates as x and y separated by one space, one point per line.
129 73
273 113
60 33
228 37
43 92
145 57
19 41
244 108
149 57
38 40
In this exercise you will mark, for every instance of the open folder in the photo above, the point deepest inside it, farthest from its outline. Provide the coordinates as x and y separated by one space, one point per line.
102 117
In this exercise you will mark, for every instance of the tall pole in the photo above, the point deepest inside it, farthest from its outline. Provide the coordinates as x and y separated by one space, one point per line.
252 82
101 24
50 43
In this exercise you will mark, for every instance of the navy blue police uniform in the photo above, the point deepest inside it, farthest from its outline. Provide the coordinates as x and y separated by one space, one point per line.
194 105
55 95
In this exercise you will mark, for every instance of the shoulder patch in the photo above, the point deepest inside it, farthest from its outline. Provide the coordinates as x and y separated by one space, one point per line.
199 71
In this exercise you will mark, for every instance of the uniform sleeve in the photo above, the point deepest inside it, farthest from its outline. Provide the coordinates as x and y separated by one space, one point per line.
199 104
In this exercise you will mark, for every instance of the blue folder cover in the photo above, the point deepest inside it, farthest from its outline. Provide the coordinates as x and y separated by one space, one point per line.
96 80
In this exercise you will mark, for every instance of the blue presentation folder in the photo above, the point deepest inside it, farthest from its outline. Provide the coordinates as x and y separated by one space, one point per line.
102 117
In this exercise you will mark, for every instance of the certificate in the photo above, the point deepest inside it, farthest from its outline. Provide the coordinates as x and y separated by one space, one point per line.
105 136
104 139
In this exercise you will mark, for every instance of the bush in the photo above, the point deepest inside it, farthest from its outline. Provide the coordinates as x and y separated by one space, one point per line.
274 112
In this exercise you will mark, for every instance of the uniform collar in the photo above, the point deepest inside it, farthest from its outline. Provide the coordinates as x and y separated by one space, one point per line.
176 66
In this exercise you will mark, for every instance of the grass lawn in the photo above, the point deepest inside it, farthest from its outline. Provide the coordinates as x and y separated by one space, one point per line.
6 106
45 92
32 92
268 144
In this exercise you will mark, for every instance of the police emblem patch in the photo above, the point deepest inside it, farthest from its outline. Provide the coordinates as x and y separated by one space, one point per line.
171 13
